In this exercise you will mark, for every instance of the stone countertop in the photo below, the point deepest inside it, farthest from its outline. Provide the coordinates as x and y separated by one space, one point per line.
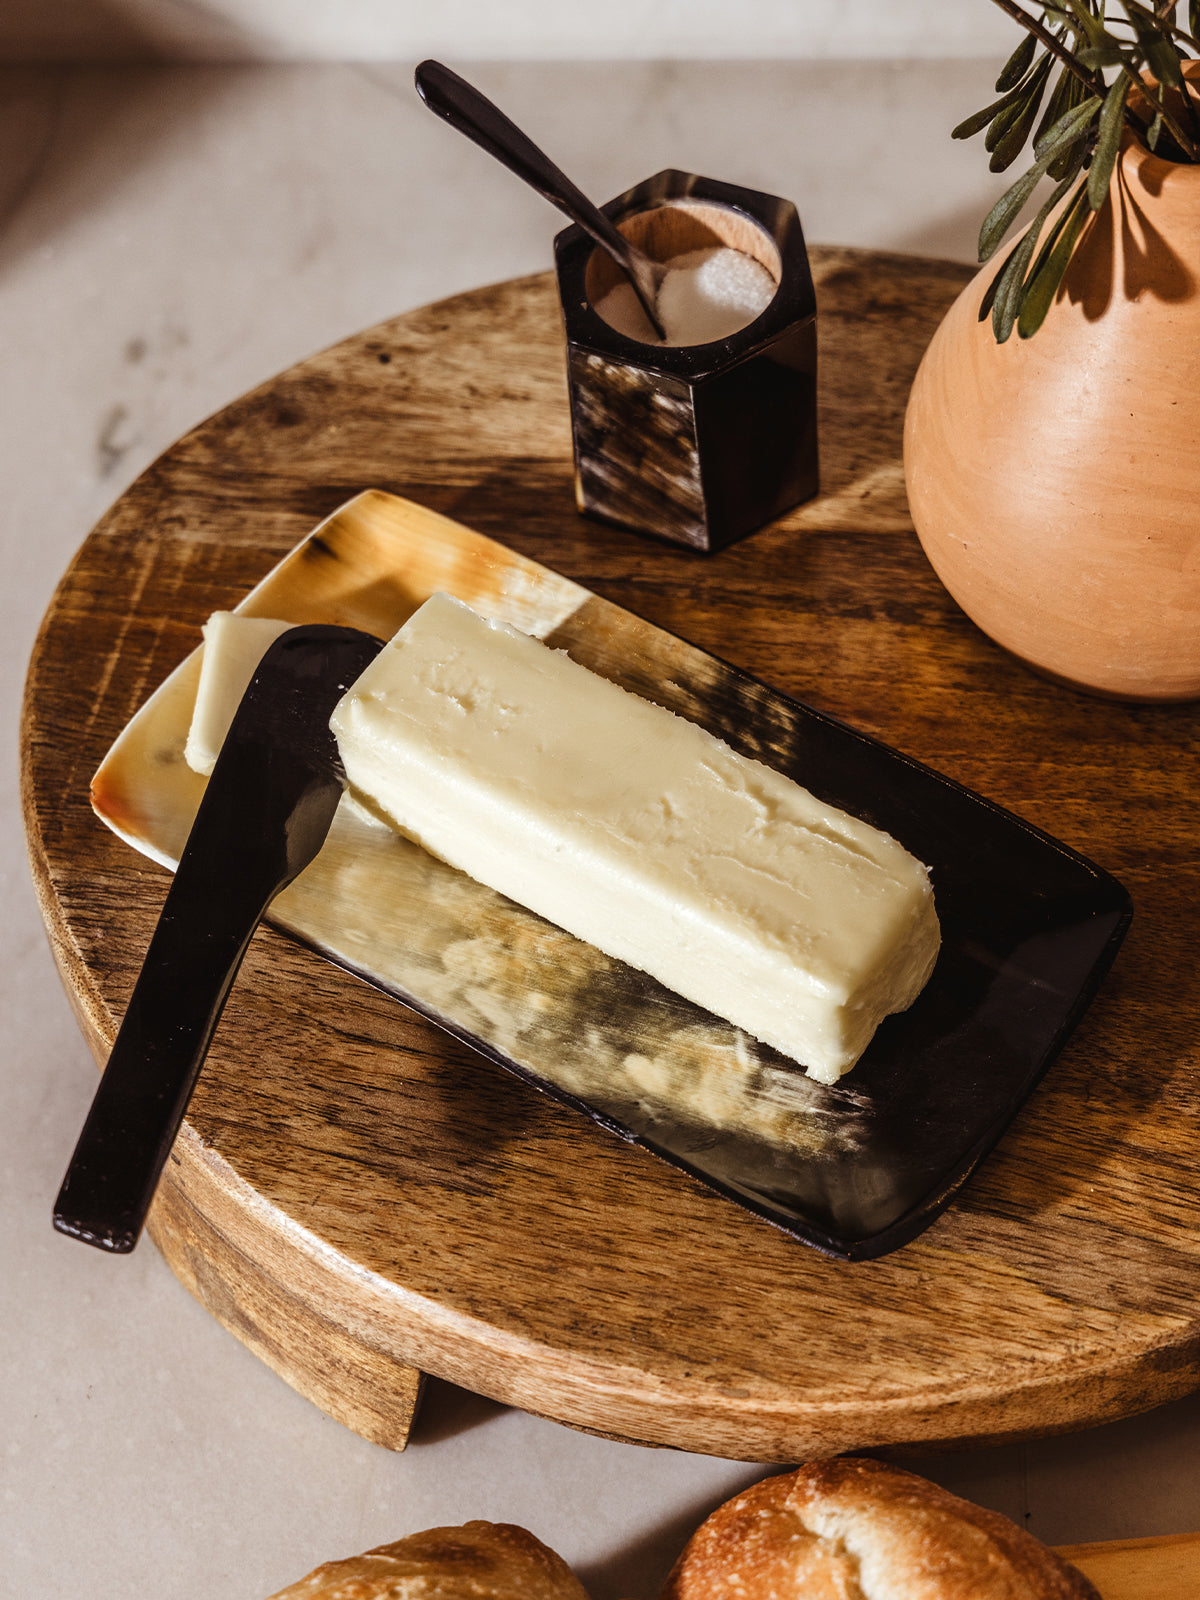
170 236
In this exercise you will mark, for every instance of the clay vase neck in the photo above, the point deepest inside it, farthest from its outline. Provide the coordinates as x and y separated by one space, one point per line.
1054 481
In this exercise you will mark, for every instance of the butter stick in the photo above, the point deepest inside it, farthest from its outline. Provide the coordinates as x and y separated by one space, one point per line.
233 647
638 831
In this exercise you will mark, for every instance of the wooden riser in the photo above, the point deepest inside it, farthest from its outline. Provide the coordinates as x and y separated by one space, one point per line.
379 1202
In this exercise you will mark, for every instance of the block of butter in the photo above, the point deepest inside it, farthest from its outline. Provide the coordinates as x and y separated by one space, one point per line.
638 831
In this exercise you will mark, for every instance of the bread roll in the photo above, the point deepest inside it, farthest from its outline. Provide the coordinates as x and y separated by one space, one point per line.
479 1561
858 1530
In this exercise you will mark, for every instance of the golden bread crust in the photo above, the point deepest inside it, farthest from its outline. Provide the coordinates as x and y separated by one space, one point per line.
853 1529
479 1561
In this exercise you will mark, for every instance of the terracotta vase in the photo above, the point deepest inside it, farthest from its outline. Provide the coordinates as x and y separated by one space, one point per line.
1055 481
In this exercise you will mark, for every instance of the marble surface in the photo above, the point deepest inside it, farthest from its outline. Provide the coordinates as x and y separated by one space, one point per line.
168 237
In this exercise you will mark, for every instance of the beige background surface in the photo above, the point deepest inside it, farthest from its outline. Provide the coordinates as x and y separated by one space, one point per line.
169 235
520 30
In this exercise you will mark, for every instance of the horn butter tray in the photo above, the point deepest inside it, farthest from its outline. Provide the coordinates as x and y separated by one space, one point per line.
854 1169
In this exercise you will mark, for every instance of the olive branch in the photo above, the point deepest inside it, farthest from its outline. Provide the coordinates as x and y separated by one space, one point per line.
1078 135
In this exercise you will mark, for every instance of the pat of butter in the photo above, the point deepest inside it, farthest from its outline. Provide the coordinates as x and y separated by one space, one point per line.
233 647
641 833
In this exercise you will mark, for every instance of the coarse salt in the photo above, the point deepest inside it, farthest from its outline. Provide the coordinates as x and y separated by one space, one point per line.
705 295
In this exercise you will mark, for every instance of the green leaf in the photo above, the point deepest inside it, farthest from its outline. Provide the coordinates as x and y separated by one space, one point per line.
1008 291
1066 94
1006 210
1017 65
1069 160
1068 127
1194 17
1004 213
1154 131
989 297
1098 56
1002 123
1031 85
1112 124
1061 220
1090 26
970 126
1018 120
1048 274
1010 287
1064 162
1161 55
1163 60
1073 95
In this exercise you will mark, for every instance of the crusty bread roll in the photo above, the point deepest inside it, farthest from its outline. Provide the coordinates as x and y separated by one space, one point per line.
479 1561
858 1530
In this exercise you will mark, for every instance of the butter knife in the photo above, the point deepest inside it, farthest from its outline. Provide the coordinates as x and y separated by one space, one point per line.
265 814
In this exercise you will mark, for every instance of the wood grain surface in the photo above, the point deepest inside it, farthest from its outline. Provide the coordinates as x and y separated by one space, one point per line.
356 1196
1166 1568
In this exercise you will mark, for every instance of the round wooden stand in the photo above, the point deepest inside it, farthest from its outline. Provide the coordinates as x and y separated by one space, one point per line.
360 1199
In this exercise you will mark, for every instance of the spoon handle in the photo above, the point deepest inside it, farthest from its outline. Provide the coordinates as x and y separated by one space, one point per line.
265 814
472 113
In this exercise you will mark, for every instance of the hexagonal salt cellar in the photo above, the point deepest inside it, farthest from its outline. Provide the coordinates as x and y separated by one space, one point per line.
698 444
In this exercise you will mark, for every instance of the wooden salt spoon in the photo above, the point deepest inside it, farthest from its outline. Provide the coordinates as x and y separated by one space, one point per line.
265 814
472 113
